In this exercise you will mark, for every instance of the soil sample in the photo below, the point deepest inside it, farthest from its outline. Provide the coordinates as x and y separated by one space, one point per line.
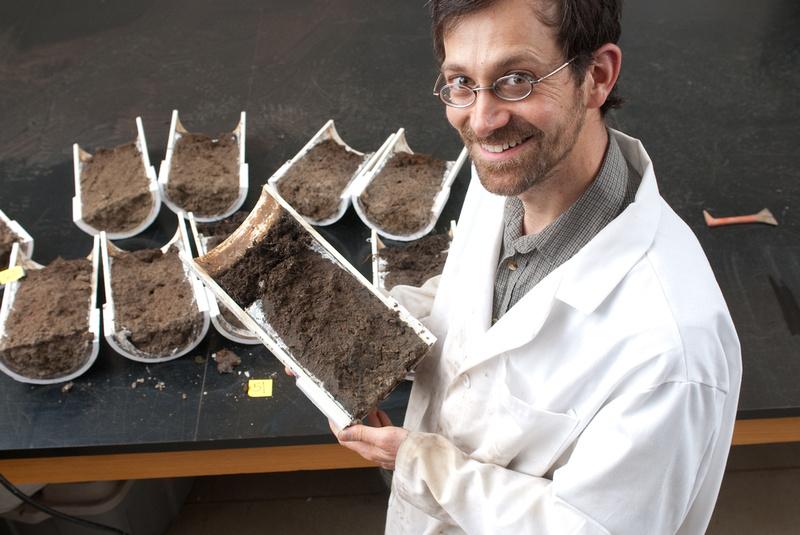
416 262
400 198
7 239
154 305
314 184
47 331
115 194
333 325
216 232
204 175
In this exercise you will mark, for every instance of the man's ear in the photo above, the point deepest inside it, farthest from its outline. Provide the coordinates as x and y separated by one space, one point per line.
602 74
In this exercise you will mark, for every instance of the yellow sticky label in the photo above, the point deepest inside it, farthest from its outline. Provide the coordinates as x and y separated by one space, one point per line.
259 388
11 274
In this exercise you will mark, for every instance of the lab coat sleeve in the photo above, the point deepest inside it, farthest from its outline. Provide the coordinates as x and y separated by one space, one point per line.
417 300
634 469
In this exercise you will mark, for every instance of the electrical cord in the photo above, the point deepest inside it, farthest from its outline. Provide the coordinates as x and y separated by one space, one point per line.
58 514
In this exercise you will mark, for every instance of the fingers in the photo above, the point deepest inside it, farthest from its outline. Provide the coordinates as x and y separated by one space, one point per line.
384 419
289 371
371 453
374 420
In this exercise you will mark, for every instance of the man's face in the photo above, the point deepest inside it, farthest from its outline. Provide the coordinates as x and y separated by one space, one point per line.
514 145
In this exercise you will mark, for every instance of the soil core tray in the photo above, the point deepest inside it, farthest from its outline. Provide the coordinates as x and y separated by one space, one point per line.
204 177
47 330
154 303
314 184
335 327
416 262
115 193
401 196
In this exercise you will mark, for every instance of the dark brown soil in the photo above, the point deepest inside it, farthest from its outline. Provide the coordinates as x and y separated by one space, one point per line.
218 231
416 262
400 198
226 360
204 177
114 189
7 239
334 326
314 184
230 318
153 301
47 331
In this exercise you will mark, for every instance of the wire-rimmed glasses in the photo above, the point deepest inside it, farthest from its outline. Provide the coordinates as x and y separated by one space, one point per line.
512 87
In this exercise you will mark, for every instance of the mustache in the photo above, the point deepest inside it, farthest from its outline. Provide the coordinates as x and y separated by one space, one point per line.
515 130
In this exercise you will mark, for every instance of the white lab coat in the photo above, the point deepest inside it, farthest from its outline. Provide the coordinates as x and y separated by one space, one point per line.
602 402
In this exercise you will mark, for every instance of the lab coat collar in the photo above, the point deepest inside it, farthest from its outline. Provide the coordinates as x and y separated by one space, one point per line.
583 282
593 273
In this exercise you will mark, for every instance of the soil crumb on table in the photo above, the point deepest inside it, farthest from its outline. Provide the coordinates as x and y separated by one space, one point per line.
226 360
334 326
154 305
314 184
400 198
415 263
204 175
115 194
47 331
7 239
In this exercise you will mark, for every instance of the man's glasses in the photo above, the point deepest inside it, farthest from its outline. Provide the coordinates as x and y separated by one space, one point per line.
512 88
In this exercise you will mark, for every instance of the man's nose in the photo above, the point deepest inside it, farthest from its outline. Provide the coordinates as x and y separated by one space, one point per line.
488 114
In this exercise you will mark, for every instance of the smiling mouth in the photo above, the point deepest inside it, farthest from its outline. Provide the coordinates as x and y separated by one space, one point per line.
503 147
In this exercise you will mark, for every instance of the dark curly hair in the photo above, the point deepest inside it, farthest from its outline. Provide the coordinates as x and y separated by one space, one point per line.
582 26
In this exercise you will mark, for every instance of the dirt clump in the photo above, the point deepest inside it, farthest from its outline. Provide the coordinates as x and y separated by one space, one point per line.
226 360
204 174
47 331
154 306
314 184
415 263
348 339
400 198
115 194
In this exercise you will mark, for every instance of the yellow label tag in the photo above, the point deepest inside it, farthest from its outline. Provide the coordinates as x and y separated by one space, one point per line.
11 274
259 388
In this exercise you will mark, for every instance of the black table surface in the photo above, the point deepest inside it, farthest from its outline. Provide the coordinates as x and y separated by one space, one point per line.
710 90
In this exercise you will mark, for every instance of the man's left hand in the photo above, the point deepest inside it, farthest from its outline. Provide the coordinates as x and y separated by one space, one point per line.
377 442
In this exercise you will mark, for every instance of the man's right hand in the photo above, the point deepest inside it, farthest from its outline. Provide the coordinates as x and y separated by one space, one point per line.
289 371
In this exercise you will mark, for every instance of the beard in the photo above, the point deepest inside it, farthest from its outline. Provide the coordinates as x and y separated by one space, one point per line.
536 161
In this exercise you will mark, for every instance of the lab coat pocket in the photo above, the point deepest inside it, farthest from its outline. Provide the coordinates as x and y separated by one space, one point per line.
525 438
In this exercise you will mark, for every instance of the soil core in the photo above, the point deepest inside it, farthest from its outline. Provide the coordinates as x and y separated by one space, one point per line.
115 194
7 239
400 198
204 175
358 348
314 184
47 331
154 305
416 262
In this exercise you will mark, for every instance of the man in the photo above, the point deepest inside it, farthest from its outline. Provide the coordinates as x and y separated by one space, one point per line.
587 371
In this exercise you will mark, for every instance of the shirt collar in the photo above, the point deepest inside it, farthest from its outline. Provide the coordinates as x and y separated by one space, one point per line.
602 201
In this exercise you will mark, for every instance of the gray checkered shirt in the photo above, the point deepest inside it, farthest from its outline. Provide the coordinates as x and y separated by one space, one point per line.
526 260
